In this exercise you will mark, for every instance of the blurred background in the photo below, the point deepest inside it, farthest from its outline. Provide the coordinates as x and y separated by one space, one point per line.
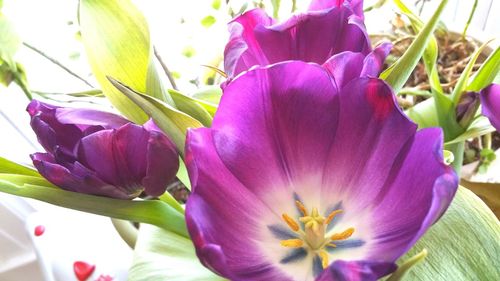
188 35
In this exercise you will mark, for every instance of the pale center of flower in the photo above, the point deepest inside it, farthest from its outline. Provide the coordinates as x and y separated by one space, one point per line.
314 236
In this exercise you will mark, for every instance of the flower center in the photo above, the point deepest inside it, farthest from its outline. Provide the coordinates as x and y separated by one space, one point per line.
313 236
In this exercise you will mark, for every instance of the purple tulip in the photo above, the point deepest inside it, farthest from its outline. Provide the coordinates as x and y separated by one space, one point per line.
100 153
490 102
328 28
299 179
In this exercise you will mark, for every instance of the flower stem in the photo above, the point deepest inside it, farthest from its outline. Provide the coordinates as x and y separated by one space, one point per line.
458 152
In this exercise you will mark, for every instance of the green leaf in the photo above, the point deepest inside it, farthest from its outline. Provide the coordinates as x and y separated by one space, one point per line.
163 255
208 21
116 39
147 211
193 107
424 114
172 121
480 126
486 73
464 77
404 268
276 7
462 245
24 179
182 174
431 51
209 97
400 71
9 42
437 111
9 167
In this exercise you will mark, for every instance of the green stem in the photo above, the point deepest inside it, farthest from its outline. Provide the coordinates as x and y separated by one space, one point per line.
469 20
487 141
126 230
458 152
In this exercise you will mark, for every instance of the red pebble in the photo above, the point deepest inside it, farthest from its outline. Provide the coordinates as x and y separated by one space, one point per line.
83 270
39 230
104 278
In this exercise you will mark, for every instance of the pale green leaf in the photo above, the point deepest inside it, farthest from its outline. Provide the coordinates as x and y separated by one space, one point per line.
182 174
192 107
437 111
486 73
172 121
276 7
9 167
431 51
404 268
153 212
9 42
162 255
398 74
117 43
480 126
463 245
170 200
464 77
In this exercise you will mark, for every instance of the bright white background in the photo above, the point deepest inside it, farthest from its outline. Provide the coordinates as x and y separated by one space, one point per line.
51 26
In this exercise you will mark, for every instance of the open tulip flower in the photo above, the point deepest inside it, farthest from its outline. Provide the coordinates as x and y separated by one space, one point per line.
329 27
101 153
300 179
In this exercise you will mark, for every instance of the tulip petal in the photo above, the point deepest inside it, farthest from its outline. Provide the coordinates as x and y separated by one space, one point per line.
356 271
355 5
50 132
89 117
222 215
243 51
490 102
117 156
267 118
313 36
74 178
344 67
374 61
300 38
162 164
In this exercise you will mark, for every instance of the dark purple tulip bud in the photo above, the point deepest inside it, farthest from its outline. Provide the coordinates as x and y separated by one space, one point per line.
100 153
467 108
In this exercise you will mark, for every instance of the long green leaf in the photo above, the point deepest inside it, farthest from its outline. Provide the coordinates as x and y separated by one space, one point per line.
193 107
398 74
172 121
9 42
9 167
151 211
163 255
117 43
486 73
431 51
480 126
464 77
463 245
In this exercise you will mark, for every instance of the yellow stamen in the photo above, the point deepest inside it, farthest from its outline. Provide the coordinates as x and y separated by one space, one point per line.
331 245
291 222
292 243
301 207
324 258
332 215
343 235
